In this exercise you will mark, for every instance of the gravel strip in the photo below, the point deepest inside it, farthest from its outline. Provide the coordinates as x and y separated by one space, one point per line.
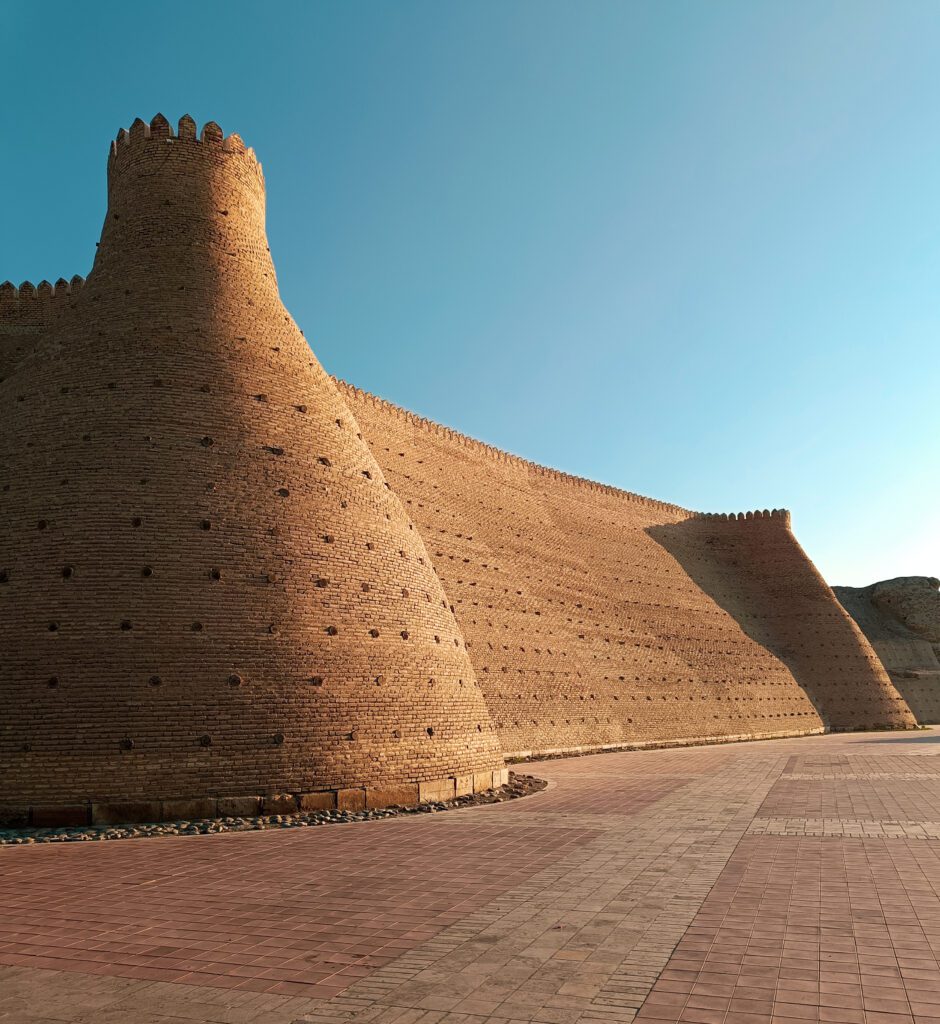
518 786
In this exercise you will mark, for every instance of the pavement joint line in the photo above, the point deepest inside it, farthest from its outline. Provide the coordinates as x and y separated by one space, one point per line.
674 910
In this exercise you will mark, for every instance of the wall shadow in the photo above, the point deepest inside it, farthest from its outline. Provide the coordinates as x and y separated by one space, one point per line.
919 738
757 572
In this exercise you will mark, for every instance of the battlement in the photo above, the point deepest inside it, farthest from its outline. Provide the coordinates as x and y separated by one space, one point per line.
779 516
155 136
498 455
29 308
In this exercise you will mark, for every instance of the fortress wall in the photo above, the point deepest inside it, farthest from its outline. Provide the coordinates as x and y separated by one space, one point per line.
921 691
907 644
227 583
27 312
757 571
597 618
208 592
914 669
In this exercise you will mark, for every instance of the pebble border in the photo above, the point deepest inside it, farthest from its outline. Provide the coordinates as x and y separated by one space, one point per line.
518 786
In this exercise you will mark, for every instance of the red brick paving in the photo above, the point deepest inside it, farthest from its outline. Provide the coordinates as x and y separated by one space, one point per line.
302 913
645 885
903 799
598 784
827 929
615 796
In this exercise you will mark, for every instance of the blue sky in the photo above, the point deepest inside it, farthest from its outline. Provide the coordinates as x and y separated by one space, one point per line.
689 249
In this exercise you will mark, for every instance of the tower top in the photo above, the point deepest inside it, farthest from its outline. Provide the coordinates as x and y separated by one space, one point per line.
185 219
160 131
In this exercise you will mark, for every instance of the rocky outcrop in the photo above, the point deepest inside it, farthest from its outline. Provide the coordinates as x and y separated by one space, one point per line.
901 618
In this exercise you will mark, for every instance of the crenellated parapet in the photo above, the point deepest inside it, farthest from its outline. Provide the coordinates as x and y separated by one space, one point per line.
507 458
29 308
143 139
779 516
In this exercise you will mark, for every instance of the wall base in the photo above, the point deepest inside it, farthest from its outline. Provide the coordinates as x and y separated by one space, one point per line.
515 756
126 812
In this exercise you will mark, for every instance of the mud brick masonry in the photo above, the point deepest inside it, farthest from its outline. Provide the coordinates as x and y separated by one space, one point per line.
229 583
901 620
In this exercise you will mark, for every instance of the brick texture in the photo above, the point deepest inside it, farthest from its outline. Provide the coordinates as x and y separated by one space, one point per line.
207 586
216 586
901 619
596 617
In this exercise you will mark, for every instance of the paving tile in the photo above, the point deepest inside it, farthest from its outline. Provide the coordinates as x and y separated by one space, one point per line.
783 881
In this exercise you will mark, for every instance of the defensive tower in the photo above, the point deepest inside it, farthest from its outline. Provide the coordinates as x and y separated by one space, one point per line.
208 593
214 592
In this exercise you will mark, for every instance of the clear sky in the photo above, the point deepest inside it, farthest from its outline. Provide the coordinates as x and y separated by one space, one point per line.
691 249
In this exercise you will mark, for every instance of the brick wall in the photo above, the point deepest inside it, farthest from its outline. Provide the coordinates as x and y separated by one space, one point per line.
216 587
909 652
206 586
27 312
596 617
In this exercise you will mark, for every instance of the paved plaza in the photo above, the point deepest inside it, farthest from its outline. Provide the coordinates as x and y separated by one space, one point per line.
782 881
